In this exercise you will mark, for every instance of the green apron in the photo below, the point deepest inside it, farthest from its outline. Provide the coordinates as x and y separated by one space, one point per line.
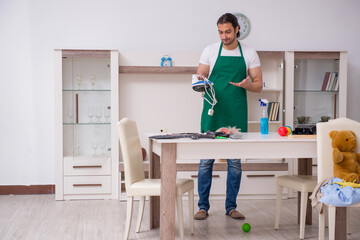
231 107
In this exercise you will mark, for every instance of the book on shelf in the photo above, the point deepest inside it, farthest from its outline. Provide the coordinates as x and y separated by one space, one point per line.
332 81
325 82
333 87
276 111
273 111
337 83
270 109
329 82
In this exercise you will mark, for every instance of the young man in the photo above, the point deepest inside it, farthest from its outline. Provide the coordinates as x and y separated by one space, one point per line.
230 66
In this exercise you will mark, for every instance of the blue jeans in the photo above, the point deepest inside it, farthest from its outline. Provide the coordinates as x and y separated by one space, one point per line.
232 183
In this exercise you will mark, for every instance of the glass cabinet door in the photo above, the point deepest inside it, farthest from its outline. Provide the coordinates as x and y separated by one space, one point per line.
315 86
315 93
86 107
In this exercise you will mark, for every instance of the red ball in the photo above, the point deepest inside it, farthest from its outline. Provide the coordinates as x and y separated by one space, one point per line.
283 131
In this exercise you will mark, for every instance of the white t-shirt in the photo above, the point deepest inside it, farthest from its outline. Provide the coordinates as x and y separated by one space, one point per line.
210 54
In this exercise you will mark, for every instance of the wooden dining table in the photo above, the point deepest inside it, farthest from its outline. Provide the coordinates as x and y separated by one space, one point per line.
164 154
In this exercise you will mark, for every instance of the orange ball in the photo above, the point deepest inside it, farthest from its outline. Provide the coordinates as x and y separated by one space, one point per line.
289 130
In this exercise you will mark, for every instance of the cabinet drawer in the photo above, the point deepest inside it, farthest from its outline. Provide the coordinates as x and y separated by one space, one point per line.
252 182
259 182
87 185
218 185
78 167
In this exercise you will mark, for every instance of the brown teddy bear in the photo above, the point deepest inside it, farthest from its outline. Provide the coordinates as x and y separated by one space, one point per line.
346 161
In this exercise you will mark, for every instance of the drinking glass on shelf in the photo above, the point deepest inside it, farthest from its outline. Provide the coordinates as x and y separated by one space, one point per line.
94 145
78 79
107 111
91 113
103 145
98 113
76 148
69 115
92 80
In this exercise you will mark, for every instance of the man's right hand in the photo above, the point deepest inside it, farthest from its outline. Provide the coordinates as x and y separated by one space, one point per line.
203 70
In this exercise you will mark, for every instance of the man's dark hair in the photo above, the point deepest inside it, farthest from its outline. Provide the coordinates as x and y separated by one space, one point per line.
230 18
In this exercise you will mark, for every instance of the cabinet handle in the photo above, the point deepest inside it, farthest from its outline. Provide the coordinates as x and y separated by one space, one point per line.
87 185
214 176
90 166
270 175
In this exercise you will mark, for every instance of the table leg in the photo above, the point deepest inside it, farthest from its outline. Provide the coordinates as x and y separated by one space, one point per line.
154 172
305 168
168 191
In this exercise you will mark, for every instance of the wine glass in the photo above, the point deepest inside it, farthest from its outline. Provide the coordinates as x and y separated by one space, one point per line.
92 80
107 113
103 145
94 145
69 115
98 113
78 79
76 148
91 113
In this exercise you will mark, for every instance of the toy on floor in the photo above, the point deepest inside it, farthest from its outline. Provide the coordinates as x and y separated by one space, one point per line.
246 227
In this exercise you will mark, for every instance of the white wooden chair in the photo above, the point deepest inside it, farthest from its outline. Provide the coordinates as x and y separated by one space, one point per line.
137 185
302 183
325 165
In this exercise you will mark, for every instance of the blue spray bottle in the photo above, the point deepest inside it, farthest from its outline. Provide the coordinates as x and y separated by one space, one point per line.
264 120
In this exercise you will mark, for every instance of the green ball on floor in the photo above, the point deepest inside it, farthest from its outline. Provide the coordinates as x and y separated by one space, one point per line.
246 227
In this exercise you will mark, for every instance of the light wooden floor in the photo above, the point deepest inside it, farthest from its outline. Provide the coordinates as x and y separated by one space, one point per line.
41 217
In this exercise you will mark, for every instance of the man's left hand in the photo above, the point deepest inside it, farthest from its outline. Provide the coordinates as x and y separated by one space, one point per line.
242 84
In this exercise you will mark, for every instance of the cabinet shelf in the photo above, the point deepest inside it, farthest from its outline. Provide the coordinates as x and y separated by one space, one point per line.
272 90
157 70
85 90
90 124
258 122
85 157
315 91
307 123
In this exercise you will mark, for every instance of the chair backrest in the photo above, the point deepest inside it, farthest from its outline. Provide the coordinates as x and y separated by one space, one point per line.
324 148
131 151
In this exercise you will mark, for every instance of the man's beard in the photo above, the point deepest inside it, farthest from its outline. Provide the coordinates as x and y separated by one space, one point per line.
230 42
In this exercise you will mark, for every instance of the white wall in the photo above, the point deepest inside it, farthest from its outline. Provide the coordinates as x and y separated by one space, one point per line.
31 30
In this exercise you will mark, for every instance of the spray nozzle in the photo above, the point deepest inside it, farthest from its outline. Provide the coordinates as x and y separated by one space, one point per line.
263 102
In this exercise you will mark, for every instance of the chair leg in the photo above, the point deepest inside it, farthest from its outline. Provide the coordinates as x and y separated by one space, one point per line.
326 215
129 210
322 218
278 206
141 213
348 226
332 215
303 207
191 210
180 216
